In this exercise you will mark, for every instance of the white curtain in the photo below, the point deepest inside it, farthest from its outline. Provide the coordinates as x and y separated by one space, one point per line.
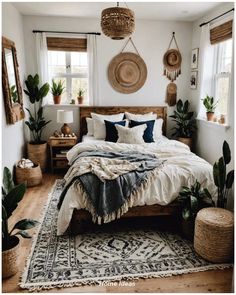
206 54
42 60
93 90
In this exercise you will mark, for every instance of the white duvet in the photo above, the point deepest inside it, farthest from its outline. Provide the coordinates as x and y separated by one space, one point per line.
181 168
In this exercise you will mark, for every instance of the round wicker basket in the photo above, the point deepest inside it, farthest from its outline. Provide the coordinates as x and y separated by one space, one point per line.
214 234
37 153
10 263
32 176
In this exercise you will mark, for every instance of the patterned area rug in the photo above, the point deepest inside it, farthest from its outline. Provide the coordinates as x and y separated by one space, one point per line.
124 254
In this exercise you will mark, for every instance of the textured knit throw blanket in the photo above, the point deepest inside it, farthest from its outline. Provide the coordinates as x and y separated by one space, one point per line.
108 181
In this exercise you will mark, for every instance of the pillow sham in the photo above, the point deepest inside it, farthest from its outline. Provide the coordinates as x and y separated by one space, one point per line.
157 132
99 125
148 133
140 117
111 131
131 135
90 126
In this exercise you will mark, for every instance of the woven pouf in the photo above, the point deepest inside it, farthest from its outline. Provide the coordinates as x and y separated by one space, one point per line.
214 234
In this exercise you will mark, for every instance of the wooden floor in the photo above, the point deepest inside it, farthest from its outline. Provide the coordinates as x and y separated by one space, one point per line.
31 207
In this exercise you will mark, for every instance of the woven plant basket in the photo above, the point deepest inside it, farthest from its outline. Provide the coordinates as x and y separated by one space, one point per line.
186 140
214 234
10 260
32 176
37 153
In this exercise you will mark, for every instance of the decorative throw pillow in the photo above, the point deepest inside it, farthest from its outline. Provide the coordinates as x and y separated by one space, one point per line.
99 125
90 126
140 117
157 133
148 133
111 132
131 135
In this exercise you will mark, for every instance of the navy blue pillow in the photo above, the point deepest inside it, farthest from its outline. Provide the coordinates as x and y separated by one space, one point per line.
111 132
148 133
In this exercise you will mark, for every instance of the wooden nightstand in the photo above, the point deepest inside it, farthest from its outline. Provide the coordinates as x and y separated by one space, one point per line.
59 146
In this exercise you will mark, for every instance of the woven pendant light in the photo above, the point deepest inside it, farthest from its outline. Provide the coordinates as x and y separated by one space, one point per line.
117 22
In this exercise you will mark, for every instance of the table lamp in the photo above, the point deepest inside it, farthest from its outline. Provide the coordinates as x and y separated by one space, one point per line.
65 117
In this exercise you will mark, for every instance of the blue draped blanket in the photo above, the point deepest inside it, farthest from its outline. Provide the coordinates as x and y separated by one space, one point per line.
109 196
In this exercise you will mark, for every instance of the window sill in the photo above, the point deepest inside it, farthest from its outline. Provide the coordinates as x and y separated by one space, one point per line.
66 105
214 124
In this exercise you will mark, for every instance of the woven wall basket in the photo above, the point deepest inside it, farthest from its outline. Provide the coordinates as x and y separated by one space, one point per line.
127 72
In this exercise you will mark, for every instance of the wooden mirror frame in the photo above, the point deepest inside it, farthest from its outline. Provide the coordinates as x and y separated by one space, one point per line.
14 111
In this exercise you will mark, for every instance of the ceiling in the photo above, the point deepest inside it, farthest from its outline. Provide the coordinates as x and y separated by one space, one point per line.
169 11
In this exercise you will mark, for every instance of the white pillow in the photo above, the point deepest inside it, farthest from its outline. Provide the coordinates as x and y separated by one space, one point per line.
99 125
131 135
140 117
90 126
157 131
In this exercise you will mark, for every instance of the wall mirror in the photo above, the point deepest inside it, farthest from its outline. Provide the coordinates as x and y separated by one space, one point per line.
11 86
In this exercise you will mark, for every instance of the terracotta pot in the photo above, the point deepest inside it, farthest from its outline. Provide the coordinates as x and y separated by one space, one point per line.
80 99
57 99
37 153
210 116
10 265
188 228
186 140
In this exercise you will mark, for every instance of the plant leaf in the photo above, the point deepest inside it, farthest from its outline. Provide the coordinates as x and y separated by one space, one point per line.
23 233
25 224
186 213
226 152
222 173
7 181
230 179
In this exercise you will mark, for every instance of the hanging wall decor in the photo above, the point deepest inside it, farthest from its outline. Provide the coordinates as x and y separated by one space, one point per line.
127 71
172 69
117 22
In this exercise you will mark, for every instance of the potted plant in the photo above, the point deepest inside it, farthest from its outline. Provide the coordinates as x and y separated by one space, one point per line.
81 96
222 180
186 124
11 196
57 90
37 149
210 106
193 199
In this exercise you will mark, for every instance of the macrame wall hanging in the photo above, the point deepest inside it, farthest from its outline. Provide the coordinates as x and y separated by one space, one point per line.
172 69
127 71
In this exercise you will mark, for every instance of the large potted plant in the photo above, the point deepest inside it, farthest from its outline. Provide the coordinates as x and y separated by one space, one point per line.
222 180
57 90
37 149
210 106
185 123
193 199
11 196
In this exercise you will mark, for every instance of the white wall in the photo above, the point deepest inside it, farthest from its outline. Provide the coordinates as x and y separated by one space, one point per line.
210 137
151 38
13 141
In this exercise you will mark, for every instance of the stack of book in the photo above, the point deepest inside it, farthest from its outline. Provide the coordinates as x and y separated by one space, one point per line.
62 154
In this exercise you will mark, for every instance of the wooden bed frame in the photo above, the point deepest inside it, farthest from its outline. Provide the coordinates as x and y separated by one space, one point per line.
81 219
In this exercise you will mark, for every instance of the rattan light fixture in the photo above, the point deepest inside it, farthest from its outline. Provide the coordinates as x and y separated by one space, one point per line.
117 22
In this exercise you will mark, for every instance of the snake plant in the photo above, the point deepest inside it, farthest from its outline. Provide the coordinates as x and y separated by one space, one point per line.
222 180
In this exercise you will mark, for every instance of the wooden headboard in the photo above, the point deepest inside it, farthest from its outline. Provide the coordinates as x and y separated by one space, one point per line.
85 111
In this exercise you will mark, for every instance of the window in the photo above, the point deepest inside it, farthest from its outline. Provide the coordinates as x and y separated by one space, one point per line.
222 75
67 61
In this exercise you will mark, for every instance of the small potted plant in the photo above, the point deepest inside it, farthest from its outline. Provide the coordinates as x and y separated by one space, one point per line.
11 196
80 97
222 180
210 106
192 200
36 149
185 123
57 89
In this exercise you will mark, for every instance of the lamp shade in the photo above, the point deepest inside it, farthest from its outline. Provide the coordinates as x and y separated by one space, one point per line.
64 116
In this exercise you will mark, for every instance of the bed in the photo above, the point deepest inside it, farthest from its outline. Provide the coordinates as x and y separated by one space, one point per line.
181 167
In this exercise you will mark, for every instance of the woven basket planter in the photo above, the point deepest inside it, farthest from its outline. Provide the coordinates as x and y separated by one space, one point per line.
32 176
10 260
214 234
37 153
